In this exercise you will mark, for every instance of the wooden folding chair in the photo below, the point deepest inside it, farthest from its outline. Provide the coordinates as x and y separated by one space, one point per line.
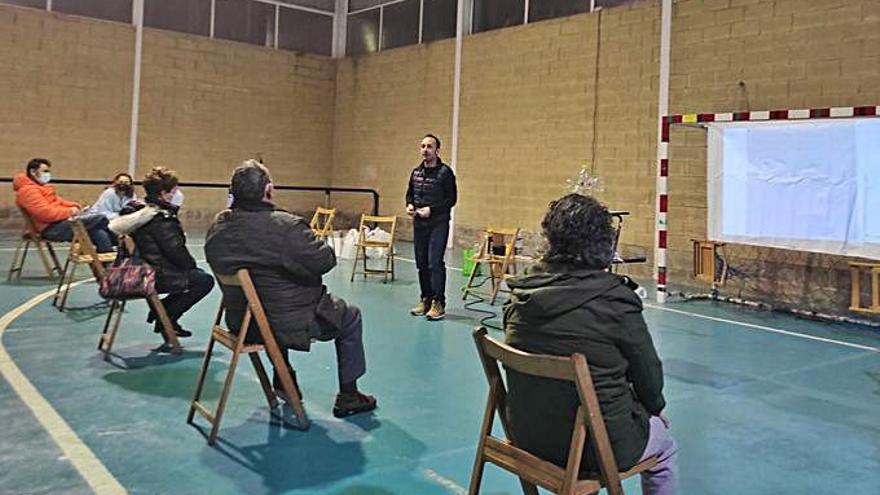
497 255
362 244
31 235
75 257
531 470
708 258
117 307
236 344
322 222
856 270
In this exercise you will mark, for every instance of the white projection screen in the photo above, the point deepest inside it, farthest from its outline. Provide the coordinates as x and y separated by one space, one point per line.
810 186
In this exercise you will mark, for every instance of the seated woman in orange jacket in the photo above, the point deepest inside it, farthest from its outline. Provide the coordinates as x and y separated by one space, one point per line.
50 213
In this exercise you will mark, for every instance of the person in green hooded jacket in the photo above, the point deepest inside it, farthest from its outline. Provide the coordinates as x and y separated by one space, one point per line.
569 303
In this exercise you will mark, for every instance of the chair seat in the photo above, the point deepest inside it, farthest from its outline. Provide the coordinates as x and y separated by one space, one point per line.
379 244
102 257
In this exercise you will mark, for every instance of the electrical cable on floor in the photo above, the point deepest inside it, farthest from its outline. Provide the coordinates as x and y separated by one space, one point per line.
484 321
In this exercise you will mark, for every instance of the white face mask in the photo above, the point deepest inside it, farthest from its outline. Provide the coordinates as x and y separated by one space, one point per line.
177 198
44 178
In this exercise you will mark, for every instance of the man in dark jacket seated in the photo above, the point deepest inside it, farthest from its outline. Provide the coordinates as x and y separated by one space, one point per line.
286 263
569 304
161 243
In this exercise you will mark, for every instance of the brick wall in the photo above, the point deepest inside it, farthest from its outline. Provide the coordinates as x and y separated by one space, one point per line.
66 95
385 103
737 55
205 105
208 104
526 117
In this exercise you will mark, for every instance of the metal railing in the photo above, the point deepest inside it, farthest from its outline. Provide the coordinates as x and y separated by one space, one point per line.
327 190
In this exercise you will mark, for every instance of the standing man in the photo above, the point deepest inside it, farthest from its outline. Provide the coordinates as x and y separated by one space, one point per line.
429 200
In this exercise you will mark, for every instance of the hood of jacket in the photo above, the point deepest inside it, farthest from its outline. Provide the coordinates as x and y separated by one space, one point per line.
547 291
127 224
23 180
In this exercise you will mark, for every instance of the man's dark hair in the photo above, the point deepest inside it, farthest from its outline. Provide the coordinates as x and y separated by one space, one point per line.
35 164
579 231
435 138
249 181
159 180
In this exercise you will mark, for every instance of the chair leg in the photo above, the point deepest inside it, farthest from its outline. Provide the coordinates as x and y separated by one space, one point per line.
470 281
200 382
167 327
117 308
50 271
354 265
365 263
495 286
67 289
54 257
106 324
264 380
528 488
477 475
16 266
61 282
287 386
485 430
221 405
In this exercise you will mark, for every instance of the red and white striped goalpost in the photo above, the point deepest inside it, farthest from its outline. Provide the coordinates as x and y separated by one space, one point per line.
666 122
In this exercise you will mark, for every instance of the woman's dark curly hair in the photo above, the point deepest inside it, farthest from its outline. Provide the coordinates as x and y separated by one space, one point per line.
579 231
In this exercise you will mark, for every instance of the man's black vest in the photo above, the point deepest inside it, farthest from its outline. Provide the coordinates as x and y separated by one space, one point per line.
427 184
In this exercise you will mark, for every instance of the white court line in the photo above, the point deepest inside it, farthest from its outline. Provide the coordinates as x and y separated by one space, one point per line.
767 329
434 477
86 463
738 323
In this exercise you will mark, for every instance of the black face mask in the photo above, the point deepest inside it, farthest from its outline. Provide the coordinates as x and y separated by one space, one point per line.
123 189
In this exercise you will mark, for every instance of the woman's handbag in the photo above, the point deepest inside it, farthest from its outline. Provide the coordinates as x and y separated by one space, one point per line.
128 279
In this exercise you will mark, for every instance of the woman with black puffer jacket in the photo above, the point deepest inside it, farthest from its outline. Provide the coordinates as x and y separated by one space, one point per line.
161 243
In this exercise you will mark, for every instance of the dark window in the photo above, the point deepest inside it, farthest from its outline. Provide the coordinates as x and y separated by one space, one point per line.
549 9
363 33
494 14
184 16
37 4
246 21
439 19
400 24
354 5
613 3
111 10
325 5
305 31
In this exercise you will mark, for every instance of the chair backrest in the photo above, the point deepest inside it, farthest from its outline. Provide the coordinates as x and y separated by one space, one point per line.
499 243
322 221
588 422
85 247
30 227
242 280
389 223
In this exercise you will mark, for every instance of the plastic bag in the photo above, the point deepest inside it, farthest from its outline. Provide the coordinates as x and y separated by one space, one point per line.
336 241
377 234
347 251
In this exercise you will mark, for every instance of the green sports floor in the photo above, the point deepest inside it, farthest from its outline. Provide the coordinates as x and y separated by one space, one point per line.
760 403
